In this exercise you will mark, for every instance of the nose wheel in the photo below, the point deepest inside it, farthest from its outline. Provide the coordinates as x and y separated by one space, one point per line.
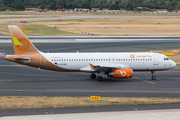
153 77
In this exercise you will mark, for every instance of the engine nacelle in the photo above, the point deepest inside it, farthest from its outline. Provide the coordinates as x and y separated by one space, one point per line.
121 73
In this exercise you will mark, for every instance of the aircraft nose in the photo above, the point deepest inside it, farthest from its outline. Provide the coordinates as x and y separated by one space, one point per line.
173 64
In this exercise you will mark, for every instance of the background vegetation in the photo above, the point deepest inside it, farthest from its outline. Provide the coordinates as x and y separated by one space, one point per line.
101 4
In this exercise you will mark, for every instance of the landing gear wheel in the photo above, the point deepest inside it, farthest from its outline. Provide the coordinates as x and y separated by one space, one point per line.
100 78
93 76
153 77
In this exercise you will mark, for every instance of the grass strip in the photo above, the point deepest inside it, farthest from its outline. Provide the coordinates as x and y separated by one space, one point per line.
26 102
150 26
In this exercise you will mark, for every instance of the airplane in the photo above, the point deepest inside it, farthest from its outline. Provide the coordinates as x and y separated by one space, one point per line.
114 65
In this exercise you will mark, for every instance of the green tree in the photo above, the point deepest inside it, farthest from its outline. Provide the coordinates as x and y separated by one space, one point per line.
86 5
61 4
178 6
19 6
129 6
43 6
114 7
52 6
170 9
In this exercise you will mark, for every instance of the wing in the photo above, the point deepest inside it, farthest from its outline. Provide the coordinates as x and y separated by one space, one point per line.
103 67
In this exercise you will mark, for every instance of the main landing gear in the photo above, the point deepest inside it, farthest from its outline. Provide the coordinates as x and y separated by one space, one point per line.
93 76
100 78
153 77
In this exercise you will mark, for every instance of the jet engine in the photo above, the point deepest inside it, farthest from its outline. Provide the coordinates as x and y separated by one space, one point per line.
120 73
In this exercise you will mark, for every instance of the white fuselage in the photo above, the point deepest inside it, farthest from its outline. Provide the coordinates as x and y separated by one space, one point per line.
135 61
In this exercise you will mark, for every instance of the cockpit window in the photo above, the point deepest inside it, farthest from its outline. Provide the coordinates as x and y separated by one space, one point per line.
166 58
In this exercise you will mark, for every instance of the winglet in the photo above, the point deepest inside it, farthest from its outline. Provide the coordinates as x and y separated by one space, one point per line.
91 65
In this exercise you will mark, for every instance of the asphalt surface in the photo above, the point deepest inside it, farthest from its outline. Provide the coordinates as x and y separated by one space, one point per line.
53 17
23 80
20 112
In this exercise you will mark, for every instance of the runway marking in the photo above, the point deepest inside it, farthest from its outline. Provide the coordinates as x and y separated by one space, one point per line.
160 80
144 80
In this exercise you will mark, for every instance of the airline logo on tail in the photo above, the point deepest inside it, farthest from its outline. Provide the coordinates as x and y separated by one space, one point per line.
19 43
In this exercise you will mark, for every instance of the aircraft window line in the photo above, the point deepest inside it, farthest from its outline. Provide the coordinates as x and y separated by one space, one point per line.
166 58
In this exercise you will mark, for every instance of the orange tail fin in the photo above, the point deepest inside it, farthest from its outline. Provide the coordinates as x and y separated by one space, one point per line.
20 42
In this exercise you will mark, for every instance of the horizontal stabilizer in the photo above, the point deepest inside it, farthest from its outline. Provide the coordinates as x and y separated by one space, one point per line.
25 59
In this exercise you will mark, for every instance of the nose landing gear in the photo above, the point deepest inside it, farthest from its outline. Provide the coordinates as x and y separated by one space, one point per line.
153 77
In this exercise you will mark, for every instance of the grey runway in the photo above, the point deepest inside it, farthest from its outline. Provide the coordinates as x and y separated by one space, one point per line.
49 111
22 80
34 82
53 17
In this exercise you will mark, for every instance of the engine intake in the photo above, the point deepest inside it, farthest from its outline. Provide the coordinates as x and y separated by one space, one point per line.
121 73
